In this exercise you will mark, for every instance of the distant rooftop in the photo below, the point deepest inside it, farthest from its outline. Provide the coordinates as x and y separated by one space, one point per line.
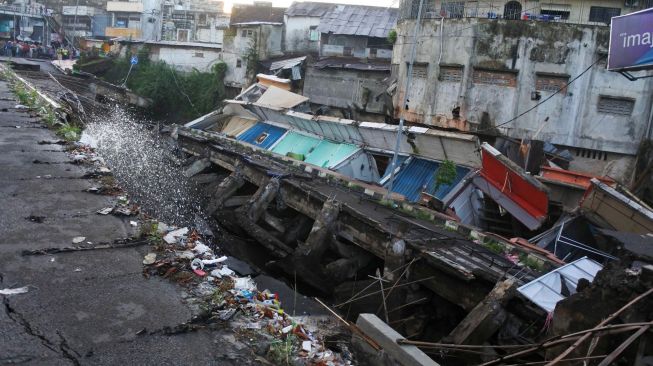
309 9
262 13
370 21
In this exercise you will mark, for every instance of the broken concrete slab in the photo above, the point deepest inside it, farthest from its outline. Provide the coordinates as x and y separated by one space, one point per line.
386 337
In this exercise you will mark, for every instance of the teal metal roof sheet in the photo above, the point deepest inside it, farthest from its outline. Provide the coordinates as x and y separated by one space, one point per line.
327 154
296 143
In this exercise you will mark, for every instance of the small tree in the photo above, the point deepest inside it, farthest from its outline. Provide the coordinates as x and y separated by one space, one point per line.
392 36
445 174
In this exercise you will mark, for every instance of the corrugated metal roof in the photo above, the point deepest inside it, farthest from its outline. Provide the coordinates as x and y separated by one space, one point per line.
287 63
327 154
279 98
296 143
419 175
359 20
237 125
262 135
548 290
308 9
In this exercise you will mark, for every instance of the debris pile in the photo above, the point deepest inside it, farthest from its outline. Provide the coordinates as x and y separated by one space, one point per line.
219 294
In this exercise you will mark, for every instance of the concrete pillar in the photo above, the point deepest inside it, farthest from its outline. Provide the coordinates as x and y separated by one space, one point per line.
226 189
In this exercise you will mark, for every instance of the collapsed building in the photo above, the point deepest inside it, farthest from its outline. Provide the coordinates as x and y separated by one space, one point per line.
314 194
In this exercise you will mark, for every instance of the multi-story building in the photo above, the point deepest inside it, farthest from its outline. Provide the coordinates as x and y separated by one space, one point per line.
125 19
193 21
533 79
83 21
301 21
255 34
354 61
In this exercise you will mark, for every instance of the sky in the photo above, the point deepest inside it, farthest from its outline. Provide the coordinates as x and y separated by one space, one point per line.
285 3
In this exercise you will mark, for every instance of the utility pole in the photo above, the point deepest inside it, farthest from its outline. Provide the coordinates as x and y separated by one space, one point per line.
75 23
404 106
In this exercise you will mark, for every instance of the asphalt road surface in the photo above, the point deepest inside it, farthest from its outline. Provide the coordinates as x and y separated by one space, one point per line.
82 307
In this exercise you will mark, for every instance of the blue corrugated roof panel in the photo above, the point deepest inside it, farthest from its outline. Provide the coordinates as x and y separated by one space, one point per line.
262 135
419 175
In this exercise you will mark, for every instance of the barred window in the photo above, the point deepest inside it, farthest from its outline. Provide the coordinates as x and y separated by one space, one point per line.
602 14
451 73
551 83
616 105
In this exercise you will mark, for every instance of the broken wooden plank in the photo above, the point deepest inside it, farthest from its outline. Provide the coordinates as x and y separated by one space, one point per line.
485 318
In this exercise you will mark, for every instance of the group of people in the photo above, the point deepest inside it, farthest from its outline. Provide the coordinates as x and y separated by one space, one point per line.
30 49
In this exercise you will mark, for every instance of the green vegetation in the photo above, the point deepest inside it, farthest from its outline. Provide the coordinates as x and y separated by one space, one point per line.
392 36
175 95
69 132
495 247
281 352
445 175
529 262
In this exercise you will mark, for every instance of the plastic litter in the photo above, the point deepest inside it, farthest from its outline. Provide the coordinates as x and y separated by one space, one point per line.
201 248
199 272
149 258
133 223
244 283
196 263
78 239
105 211
306 346
14 291
173 236
209 262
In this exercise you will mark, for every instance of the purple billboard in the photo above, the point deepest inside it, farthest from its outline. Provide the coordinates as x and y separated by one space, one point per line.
631 41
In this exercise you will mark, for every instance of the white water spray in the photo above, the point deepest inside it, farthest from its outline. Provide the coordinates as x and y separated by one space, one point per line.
142 164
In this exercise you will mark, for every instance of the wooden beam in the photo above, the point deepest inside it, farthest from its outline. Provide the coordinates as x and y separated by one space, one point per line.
485 318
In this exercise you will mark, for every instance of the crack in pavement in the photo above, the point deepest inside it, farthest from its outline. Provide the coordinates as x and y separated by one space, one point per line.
62 348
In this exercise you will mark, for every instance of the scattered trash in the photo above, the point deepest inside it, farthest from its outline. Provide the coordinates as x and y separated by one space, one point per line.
105 211
149 258
133 223
78 269
78 239
14 291
199 272
36 219
173 236
306 346
20 106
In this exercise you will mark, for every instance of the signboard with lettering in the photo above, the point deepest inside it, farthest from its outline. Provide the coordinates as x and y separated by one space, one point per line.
631 41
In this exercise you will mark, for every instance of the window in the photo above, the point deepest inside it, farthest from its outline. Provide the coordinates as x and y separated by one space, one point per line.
451 73
259 140
616 105
202 19
556 14
121 22
512 10
239 63
551 82
495 77
198 54
419 70
247 33
372 53
602 14
182 35
347 51
452 9
314 35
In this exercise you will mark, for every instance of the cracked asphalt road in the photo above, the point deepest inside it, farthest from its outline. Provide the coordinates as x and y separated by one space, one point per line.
82 308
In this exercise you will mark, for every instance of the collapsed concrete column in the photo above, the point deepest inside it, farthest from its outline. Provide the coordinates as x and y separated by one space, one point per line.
317 242
260 201
226 189
485 318
393 268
